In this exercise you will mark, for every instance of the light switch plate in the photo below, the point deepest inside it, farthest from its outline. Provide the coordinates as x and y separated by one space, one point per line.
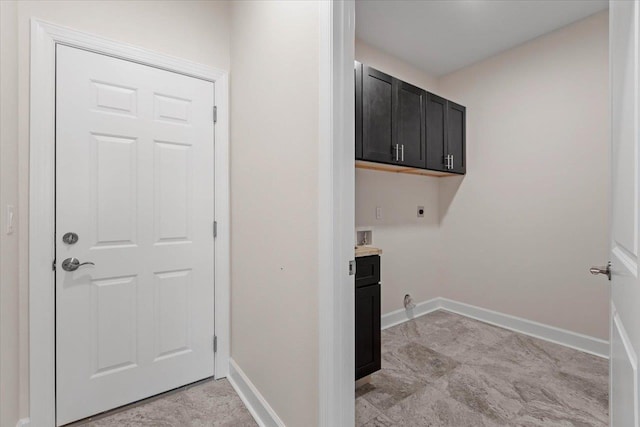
378 212
10 219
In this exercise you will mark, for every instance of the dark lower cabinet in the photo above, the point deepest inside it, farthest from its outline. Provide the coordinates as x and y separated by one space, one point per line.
368 344
367 321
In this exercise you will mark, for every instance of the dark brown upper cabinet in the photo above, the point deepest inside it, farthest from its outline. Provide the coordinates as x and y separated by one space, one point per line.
445 135
390 119
377 112
456 137
405 127
436 133
408 121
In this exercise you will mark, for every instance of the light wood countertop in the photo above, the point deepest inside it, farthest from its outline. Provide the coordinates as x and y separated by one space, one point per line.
367 251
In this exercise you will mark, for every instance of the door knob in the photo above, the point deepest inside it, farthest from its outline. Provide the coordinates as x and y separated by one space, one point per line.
602 270
72 264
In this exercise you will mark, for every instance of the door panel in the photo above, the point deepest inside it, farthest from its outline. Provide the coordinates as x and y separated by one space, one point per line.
114 333
409 123
115 188
624 374
171 312
436 132
625 285
456 136
377 111
172 191
135 181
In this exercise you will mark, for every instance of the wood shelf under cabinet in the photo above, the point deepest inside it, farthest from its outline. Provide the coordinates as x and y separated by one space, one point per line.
362 164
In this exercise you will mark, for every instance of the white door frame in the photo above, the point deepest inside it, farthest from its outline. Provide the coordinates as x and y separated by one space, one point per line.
336 214
44 37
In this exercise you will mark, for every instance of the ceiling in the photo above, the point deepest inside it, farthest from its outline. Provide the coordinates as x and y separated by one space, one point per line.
441 36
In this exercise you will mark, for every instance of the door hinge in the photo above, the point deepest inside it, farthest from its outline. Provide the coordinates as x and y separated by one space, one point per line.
215 344
352 267
53 265
215 228
215 114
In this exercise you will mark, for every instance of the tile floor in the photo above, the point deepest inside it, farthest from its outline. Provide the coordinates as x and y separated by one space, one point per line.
447 370
437 370
204 404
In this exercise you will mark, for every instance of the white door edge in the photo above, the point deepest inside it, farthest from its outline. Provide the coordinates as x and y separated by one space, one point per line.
44 37
336 215
624 284
632 358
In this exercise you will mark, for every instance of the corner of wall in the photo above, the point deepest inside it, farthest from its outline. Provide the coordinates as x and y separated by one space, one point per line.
9 286
255 402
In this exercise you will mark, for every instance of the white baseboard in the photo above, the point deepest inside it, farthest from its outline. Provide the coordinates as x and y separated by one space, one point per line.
24 422
259 408
585 343
400 316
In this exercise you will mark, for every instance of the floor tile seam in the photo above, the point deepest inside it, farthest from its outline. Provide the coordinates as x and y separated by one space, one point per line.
578 410
378 412
398 403
383 411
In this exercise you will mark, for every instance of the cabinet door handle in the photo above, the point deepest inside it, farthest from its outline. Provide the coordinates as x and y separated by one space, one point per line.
402 148
452 161
397 150
446 161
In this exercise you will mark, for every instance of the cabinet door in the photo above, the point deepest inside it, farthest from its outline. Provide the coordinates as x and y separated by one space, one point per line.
358 77
367 270
367 321
436 132
409 124
456 136
377 100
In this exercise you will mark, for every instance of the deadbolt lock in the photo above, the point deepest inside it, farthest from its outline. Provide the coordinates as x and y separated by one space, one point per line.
70 238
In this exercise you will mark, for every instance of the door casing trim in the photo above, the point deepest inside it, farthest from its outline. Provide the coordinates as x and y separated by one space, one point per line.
336 228
44 38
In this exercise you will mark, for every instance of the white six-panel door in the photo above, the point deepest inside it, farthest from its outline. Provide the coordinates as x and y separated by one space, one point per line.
135 182
625 283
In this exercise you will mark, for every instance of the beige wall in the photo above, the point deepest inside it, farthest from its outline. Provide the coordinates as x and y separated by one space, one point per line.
197 31
531 216
385 62
9 353
411 245
518 233
274 206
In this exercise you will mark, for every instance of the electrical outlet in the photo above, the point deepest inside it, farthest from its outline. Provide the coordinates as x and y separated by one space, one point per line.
420 211
378 212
